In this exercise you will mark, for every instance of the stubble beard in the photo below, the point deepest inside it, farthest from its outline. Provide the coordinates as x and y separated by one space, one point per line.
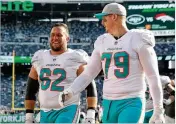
56 49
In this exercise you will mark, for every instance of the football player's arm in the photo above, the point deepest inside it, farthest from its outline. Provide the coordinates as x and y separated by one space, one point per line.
31 90
91 98
149 63
91 71
91 91
84 79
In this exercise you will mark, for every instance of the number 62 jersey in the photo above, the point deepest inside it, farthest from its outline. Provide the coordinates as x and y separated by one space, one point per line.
123 72
56 73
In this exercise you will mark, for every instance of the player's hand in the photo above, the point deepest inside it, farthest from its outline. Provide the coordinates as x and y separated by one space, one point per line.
167 101
158 116
29 118
90 117
64 97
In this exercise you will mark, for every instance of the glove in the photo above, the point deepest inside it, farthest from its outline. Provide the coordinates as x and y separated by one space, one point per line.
90 117
167 101
158 116
29 118
64 97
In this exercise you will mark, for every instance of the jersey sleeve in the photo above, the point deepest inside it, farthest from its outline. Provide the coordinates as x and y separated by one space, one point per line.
36 59
82 56
148 38
141 38
143 42
99 41
148 59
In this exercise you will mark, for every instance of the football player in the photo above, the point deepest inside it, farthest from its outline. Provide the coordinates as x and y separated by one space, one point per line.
53 71
169 98
125 56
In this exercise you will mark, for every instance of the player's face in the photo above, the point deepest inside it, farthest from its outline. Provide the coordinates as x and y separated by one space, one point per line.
107 22
58 38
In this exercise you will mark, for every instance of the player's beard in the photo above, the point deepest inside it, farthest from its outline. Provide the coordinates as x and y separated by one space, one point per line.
56 49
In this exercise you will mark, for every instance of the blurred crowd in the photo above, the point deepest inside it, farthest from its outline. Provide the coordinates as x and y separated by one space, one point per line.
34 35
28 37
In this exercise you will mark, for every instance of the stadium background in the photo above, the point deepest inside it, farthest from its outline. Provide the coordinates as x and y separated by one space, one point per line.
25 32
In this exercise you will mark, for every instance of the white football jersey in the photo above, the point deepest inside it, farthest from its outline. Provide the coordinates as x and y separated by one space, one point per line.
124 75
56 73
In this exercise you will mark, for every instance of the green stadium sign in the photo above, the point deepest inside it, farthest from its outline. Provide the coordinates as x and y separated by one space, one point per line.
22 59
27 6
156 16
18 59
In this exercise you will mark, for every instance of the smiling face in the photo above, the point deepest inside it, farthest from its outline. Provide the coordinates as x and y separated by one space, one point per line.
58 38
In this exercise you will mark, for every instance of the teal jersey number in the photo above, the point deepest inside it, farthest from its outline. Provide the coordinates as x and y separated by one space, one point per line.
45 79
108 57
45 73
121 61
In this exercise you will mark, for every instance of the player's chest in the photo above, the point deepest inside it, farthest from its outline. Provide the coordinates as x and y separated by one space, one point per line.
117 51
115 46
65 61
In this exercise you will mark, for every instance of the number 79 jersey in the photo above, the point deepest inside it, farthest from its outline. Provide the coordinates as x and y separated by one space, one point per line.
56 73
123 72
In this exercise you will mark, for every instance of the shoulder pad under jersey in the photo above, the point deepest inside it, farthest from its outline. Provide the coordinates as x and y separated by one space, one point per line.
100 40
82 56
145 36
37 56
